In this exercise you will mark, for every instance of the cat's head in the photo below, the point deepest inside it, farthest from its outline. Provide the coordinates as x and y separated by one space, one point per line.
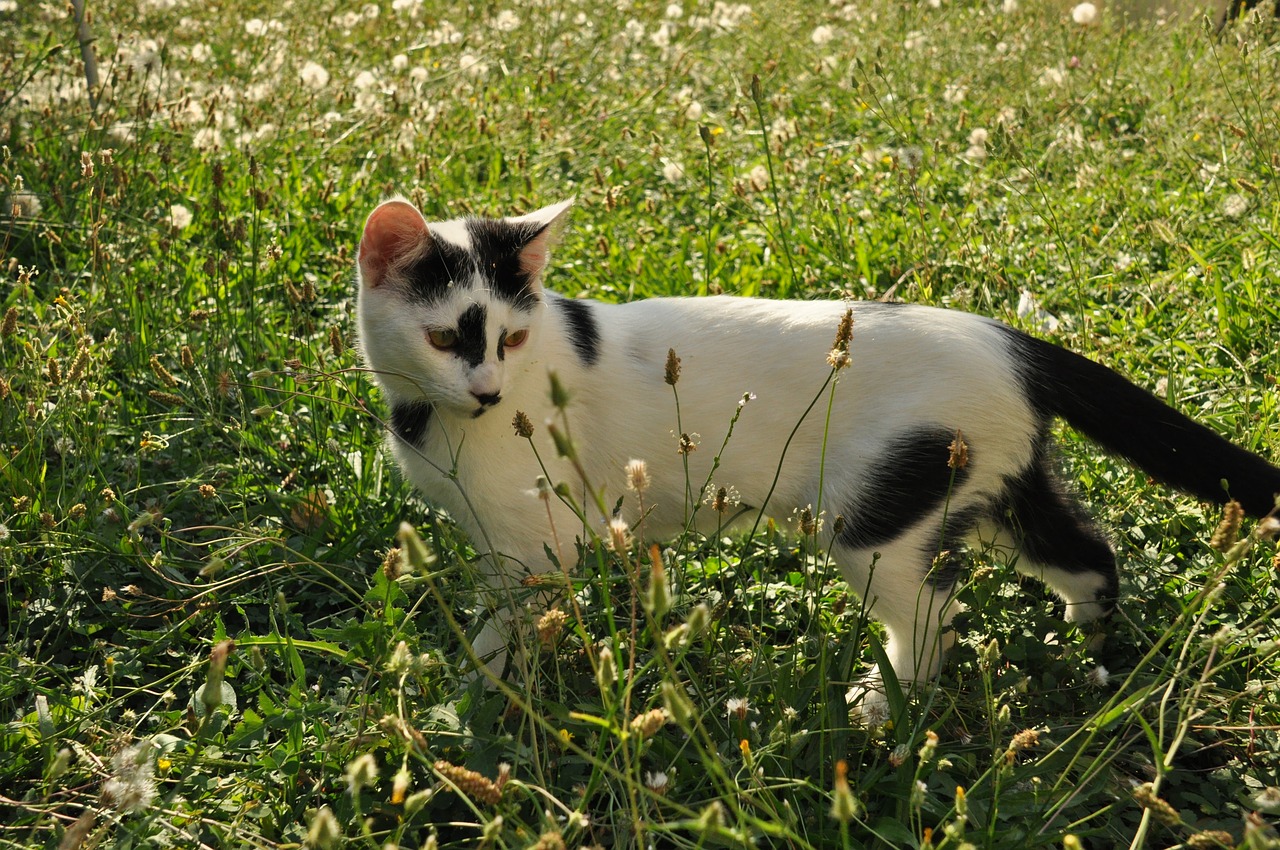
446 308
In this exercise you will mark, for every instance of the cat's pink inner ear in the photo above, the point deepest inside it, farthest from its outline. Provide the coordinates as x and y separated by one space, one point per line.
394 231
537 251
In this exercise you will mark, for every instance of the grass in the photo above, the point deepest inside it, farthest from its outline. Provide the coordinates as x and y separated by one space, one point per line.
192 455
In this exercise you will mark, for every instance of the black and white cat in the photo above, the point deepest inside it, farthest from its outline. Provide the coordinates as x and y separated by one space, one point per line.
460 334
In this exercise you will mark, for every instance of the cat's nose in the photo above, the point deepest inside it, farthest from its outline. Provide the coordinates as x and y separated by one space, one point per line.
487 399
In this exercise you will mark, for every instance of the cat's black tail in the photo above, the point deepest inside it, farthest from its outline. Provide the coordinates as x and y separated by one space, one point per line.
1136 425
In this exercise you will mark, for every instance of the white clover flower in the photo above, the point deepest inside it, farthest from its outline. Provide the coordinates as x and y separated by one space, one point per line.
978 137
255 27
674 11
822 35
693 111
1009 6
672 172
758 179
413 7
1085 14
370 11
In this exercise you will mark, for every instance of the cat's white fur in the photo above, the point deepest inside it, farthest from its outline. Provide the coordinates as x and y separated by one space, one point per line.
907 366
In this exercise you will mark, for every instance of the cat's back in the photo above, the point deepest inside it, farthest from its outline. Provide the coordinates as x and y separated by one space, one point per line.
688 324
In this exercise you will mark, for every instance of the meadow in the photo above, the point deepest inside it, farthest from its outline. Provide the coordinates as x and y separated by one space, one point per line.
218 631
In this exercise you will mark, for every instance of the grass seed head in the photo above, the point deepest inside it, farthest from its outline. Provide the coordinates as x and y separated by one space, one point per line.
959 457
671 373
164 375
838 357
469 782
1161 810
1228 530
10 325
647 725
550 626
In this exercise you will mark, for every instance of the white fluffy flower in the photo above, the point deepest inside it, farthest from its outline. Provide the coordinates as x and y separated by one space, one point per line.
1085 14
180 217
672 172
822 35
506 21
313 75
1234 205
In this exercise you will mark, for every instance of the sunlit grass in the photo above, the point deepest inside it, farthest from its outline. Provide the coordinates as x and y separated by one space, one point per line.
192 455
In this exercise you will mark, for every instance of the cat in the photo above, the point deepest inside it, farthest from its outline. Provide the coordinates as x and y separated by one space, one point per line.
460 335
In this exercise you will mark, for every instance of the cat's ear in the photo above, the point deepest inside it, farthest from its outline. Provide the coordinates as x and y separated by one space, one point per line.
550 221
394 231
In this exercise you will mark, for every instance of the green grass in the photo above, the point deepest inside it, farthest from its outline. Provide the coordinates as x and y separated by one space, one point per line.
192 455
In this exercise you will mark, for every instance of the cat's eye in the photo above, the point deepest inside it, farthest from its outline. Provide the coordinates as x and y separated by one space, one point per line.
442 338
515 338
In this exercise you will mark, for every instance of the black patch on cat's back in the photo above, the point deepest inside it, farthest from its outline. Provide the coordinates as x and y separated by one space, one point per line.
409 420
497 245
584 330
471 335
909 480
431 276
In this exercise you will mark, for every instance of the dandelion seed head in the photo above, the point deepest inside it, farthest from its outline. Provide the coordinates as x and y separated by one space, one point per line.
637 475
132 786
1085 14
657 781
180 217
506 21
313 75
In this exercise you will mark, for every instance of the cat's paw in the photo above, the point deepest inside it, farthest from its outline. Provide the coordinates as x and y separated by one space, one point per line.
867 701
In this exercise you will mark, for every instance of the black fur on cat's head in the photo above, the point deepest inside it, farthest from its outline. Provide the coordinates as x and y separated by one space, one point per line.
442 306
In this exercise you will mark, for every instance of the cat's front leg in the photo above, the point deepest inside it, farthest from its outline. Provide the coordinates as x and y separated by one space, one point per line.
916 607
